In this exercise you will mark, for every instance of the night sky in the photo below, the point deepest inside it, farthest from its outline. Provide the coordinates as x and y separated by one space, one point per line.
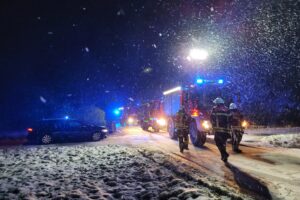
58 55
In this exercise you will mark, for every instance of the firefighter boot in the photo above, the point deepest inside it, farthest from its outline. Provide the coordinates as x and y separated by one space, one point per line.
236 138
225 156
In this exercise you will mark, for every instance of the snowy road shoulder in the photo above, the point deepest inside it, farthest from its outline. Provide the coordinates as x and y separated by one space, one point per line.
277 140
96 172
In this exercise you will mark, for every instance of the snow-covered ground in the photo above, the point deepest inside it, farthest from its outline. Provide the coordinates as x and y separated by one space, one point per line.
278 140
98 172
134 164
273 137
273 131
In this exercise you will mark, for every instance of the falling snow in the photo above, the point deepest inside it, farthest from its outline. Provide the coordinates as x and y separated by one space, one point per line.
147 70
121 12
140 49
43 100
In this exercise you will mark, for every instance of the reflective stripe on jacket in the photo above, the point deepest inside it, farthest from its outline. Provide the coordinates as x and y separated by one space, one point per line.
220 119
236 119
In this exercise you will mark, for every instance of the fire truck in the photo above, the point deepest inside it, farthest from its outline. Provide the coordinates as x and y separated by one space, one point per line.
197 101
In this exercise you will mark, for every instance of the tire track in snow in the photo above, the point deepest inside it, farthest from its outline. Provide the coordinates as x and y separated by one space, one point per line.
255 187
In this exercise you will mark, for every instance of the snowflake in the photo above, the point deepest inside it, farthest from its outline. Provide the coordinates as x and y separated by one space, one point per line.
121 12
43 100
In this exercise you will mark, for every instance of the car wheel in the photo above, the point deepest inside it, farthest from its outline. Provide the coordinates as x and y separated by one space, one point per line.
171 129
46 139
198 138
96 136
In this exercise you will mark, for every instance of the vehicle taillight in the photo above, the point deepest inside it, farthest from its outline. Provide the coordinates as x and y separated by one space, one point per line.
29 130
195 113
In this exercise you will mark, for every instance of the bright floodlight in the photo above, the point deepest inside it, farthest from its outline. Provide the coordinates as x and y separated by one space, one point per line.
172 90
197 54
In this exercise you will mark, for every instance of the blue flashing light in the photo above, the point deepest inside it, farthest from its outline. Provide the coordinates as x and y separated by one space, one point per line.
118 125
117 112
200 81
220 81
67 117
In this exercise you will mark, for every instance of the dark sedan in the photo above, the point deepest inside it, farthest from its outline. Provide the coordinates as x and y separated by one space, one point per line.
64 130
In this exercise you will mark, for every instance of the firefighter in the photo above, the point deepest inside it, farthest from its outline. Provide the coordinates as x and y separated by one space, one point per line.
237 130
221 126
182 122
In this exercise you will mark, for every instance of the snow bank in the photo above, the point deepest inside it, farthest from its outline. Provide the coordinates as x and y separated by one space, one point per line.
273 131
282 140
93 172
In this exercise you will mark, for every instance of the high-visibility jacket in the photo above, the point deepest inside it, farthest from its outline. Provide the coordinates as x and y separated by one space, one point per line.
220 119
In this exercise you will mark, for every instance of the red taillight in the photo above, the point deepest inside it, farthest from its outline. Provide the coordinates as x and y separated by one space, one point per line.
195 113
29 130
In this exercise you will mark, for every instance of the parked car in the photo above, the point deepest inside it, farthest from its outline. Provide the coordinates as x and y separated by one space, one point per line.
64 130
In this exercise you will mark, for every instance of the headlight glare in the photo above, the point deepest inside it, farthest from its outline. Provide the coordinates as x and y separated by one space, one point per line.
245 124
104 130
130 120
206 125
161 121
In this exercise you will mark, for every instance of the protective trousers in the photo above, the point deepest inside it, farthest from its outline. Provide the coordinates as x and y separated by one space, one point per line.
183 134
221 139
236 139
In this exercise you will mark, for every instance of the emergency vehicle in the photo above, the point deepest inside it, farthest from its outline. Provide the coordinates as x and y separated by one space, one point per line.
197 101
129 116
151 116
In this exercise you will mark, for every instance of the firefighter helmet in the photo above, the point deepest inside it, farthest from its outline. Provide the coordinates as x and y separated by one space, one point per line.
232 106
218 100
